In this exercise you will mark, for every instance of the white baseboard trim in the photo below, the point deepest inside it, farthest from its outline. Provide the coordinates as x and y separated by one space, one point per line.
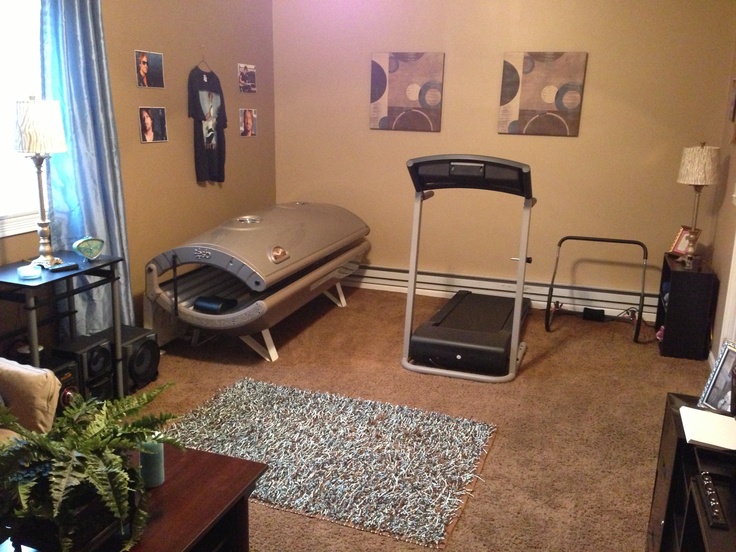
573 298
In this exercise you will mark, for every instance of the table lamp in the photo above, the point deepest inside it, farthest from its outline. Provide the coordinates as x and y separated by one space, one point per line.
698 168
39 132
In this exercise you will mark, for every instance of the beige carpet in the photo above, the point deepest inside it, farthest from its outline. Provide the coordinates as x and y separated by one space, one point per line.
573 461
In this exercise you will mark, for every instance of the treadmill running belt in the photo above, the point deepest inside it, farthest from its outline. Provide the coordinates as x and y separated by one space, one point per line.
470 333
480 313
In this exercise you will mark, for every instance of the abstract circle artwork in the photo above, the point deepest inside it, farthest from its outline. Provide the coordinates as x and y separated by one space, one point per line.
406 91
542 93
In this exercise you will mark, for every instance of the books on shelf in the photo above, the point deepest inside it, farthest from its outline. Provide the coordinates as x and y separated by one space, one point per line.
708 428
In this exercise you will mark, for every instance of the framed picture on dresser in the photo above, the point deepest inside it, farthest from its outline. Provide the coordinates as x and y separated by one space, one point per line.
679 246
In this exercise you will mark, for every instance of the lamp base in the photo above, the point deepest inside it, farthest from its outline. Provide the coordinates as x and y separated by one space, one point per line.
692 240
46 257
694 262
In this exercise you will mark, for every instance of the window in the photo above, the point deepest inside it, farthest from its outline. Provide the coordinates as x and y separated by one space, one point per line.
20 37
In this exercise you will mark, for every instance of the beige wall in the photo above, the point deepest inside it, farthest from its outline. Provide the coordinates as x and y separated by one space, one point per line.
164 204
723 204
658 78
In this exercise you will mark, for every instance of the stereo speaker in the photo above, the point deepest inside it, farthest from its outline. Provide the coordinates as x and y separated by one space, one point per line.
141 356
65 371
93 357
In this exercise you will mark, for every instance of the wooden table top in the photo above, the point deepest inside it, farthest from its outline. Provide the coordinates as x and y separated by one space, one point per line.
199 488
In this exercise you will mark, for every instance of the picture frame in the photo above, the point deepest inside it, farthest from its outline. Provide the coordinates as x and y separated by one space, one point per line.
149 69
152 124
732 102
248 121
246 77
679 246
717 391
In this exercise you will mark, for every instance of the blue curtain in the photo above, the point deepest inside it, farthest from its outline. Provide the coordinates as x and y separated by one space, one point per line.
85 184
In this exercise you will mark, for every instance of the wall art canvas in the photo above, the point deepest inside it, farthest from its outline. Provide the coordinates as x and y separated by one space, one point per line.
406 91
542 93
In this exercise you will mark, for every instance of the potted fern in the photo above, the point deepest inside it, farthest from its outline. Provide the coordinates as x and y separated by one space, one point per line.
53 485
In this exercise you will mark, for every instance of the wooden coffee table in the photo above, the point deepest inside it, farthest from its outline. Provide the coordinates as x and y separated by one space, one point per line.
202 504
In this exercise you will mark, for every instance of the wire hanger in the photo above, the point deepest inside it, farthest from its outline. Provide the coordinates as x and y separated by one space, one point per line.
203 62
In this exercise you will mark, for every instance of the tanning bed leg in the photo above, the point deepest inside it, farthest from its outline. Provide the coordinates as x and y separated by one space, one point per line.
267 350
340 299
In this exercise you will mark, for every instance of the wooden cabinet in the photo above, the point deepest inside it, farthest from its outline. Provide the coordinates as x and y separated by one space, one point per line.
685 310
678 521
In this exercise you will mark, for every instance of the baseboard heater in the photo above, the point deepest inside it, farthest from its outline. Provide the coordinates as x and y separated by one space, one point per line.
576 298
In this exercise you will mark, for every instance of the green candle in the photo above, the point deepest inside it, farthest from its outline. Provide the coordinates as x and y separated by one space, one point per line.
152 464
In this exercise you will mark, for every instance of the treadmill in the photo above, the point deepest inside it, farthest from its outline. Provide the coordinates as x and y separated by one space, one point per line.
473 336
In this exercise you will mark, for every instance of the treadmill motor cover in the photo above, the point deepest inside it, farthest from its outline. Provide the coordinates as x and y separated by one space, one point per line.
470 333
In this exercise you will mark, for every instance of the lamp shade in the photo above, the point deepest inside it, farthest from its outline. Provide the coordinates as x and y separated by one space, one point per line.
39 128
699 166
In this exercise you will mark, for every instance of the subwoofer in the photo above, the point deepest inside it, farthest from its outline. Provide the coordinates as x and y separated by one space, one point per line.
141 356
94 360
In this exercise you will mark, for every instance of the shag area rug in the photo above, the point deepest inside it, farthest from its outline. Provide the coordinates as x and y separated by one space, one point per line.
374 466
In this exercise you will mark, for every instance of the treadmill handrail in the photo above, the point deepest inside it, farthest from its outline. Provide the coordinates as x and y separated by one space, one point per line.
471 171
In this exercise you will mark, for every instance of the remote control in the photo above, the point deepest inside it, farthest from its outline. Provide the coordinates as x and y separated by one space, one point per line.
713 508
63 267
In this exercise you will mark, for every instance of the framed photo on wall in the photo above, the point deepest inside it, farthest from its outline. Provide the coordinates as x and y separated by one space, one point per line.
717 392
152 124
246 77
149 69
248 122
679 246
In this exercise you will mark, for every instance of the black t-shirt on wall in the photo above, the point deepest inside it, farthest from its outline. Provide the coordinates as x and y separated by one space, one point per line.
207 108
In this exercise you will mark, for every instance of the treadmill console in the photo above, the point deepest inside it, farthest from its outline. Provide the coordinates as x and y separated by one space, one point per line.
471 171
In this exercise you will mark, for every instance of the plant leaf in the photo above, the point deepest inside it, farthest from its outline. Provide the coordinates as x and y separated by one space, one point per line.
65 475
111 481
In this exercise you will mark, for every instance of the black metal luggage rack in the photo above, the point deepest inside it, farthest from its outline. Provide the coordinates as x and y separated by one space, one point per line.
556 307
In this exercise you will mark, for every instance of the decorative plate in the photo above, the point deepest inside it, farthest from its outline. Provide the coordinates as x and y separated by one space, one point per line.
89 247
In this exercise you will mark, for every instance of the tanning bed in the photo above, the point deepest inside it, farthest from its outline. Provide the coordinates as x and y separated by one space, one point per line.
251 272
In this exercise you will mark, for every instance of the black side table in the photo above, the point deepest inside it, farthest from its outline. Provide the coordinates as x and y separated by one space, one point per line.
686 308
31 292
